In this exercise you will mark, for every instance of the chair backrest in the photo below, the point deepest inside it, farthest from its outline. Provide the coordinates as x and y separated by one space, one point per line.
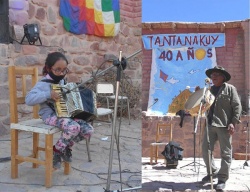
104 88
20 77
163 130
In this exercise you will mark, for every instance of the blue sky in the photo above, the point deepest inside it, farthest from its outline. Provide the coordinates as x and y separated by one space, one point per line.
195 10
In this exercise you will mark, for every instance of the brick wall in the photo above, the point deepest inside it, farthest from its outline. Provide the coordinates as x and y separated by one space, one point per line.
185 135
233 57
84 52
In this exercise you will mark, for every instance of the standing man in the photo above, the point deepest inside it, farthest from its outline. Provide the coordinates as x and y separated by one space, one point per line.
223 115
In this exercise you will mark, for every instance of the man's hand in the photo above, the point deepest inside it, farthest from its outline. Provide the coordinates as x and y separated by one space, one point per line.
231 129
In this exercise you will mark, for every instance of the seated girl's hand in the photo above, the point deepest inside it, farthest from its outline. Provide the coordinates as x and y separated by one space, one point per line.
54 95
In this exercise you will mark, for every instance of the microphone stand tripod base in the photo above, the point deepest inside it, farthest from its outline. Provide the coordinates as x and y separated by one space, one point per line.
245 164
194 162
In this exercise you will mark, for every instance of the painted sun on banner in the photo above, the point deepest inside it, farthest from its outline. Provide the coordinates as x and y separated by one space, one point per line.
177 70
93 17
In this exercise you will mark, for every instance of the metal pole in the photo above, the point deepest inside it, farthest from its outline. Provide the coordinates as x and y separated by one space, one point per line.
114 134
247 145
208 140
209 155
112 137
209 147
201 104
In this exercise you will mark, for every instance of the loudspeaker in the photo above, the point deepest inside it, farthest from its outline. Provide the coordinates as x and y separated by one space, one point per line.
4 21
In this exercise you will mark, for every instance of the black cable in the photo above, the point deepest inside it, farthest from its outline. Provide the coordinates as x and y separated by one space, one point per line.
5 159
99 175
59 48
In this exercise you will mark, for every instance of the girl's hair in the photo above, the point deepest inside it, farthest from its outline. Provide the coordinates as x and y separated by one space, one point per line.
51 59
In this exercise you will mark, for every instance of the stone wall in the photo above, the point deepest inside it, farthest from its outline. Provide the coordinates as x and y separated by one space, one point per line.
84 52
234 57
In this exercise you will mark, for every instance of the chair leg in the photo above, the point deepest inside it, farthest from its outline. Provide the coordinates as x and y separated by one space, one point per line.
14 152
87 145
107 102
48 159
156 153
110 121
66 168
151 154
108 107
128 111
35 148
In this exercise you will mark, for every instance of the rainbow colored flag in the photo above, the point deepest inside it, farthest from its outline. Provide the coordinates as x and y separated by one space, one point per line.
93 17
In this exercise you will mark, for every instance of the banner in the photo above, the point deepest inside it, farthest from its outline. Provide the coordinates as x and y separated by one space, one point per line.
93 17
183 40
174 75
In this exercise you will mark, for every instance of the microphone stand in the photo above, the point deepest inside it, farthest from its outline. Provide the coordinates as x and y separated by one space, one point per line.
203 101
247 145
196 126
119 66
209 155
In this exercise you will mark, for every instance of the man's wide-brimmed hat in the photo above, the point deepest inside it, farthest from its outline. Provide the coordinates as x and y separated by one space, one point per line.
218 69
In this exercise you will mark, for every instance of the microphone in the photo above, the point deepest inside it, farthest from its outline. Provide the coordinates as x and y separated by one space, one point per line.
123 62
207 80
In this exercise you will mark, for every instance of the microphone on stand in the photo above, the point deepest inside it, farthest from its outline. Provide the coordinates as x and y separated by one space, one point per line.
123 63
207 80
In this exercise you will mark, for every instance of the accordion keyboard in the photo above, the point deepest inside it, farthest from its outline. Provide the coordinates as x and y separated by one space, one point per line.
60 105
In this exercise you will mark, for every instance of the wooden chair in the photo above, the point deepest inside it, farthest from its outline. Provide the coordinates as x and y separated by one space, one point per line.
162 131
35 125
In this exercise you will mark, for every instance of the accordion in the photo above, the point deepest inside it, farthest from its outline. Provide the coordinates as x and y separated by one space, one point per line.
75 102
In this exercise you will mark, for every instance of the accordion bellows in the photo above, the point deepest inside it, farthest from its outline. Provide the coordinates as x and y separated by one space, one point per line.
75 102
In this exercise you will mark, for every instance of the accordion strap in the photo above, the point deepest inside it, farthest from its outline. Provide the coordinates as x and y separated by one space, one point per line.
48 81
52 81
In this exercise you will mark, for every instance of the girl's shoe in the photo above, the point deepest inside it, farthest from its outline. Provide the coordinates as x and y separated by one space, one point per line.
67 155
56 160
